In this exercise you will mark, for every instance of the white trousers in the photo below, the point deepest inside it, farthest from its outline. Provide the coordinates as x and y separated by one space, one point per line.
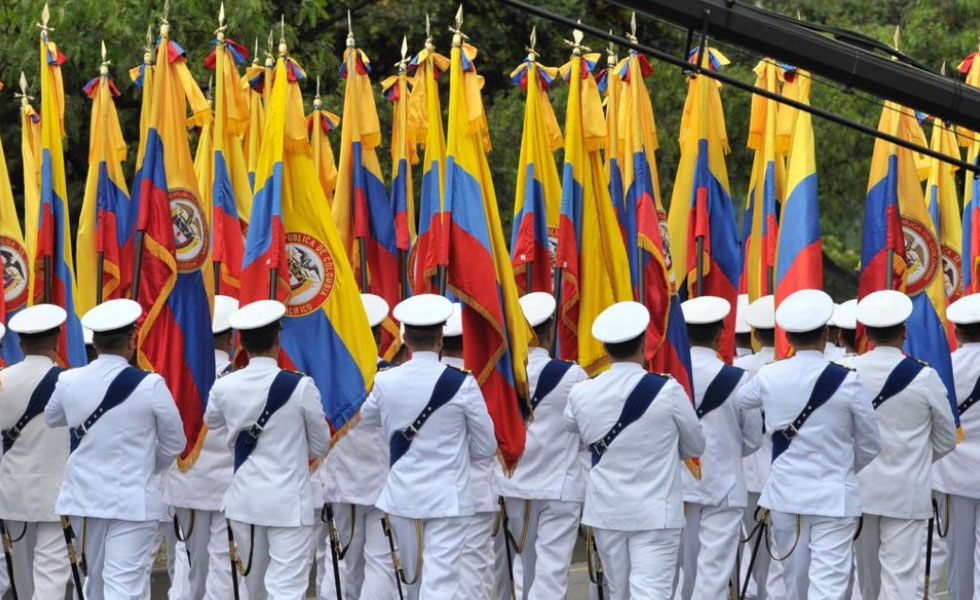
366 570
888 552
117 553
549 529
439 543
963 544
639 565
476 575
503 571
206 552
820 564
708 548
280 560
40 557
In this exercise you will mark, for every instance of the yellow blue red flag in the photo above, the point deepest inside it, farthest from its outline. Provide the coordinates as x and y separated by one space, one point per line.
105 225
701 216
591 256
320 123
610 83
970 245
52 277
293 253
404 154
253 81
30 151
944 208
15 272
899 230
480 274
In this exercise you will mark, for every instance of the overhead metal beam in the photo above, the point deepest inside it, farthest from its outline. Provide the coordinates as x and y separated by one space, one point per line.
786 40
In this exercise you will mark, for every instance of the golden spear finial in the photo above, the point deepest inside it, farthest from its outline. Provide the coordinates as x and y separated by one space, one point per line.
611 57
403 63
576 41
532 54
24 98
220 31
458 35
282 35
45 17
104 67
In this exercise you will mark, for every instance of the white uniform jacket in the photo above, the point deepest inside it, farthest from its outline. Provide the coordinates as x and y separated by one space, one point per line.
272 488
111 474
30 474
815 475
916 428
551 467
637 484
203 486
730 433
956 473
432 479
756 465
481 468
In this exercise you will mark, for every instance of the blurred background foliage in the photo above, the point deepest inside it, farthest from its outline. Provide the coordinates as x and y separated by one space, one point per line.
933 31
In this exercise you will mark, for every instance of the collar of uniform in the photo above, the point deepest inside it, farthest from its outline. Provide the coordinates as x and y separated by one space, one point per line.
112 358
538 351
887 351
425 356
703 352
263 362
971 345
626 366
37 359
221 357
810 354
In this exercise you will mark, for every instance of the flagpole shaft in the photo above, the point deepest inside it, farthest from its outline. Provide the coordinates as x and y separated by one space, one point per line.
642 279
273 283
47 279
890 269
137 265
403 267
529 277
217 276
362 250
699 288
770 282
557 292
99 278
441 274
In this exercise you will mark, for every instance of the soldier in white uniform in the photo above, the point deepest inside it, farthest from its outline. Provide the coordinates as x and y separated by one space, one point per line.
743 331
434 418
125 429
956 475
34 456
275 426
638 426
196 495
545 493
352 476
715 504
833 350
845 318
823 431
916 427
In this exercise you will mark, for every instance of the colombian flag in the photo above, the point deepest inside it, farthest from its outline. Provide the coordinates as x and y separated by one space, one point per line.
253 82
610 83
971 194
766 187
15 271
231 193
404 154
293 251
591 254
52 277
668 349
480 273
105 225
537 199
896 218
142 77
701 205
799 252
319 124
425 117
361 210
175 337
30 152
944 208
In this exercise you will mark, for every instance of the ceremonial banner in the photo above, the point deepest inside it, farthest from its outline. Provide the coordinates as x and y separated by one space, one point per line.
293 250
52 276
230 190
364 217
537 198
944 209
610 83
480 274
319 124
701 205
404 154
175 337
896 219
13 252
105 223
142 78
253 81
425 117
799 251
971 192
591 256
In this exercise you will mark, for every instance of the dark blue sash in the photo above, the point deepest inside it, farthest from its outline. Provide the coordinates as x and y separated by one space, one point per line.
636 404
719 389
899 379
551 375
384 365
446 387
971 399
119 390
827 385
35 406
279 393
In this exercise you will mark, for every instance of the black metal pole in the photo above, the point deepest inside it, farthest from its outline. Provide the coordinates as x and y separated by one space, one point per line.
700 267
47 278
554 338
441 274
403 268
217 277
529 277
273 283
362 250
135 293
890 269
99 277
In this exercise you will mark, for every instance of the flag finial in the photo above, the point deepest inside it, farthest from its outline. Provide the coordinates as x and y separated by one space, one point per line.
942 69
403 63
458 35
897 37
255 55
282 34
104 67
350 31
632 34
220 31
576 41
428 29
45 17
611 58
210 88
317 87
24 98
166 11
532 54
148 48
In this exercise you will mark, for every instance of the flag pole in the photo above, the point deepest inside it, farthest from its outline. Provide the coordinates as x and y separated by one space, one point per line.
361 243
100 255
47 260
403 97
699 240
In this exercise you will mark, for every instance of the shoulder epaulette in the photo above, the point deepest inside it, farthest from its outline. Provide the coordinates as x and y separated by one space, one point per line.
921 362
467 371
294 372
386 368
843 366
664 375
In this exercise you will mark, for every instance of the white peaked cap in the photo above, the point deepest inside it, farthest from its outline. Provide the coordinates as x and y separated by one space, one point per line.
761 314
538 307
112 315
224 307
884 308
424 310
37 319
88 336
965 311
845 315
256 315
741 325
621 322
705 309
805 310
454 324
376 309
